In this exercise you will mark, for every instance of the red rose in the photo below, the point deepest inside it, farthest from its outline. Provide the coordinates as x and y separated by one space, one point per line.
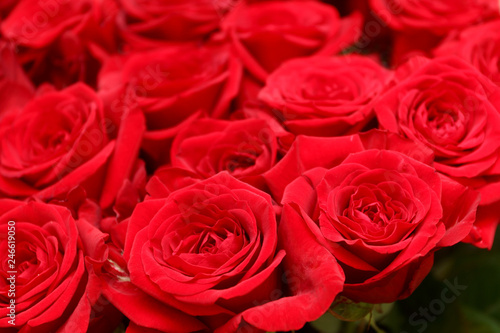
323 96
420 25
260 111
60 41
265 34
244 148
53 289
379 212
439 17
146 24
15 88
478 45
206 258
170 85
449 106
61 140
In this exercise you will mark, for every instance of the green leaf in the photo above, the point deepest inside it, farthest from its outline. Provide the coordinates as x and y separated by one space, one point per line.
439 305
477 322
381 310
327 324
347 310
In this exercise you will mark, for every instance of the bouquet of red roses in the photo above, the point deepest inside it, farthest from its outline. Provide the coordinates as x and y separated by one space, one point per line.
249 166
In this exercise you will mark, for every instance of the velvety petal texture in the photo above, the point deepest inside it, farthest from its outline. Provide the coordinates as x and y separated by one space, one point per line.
439 16
325 96
15 87
62 140
53 291
265 34
148 24
49 158
419 26
211 251
169 86
245 148
449 106
478 45
61 41
379 212
243 166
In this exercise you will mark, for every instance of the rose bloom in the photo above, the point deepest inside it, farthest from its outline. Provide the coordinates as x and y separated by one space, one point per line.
61 140
265 34
325 96
420 25
478 45
245 148
15 88
449 106
168 86
206 258
381 213
147 24
54 291
61 41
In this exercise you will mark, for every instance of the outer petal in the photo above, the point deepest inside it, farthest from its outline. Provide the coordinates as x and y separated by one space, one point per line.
146 311
312 273
459 211
307 153
399 285
124 155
